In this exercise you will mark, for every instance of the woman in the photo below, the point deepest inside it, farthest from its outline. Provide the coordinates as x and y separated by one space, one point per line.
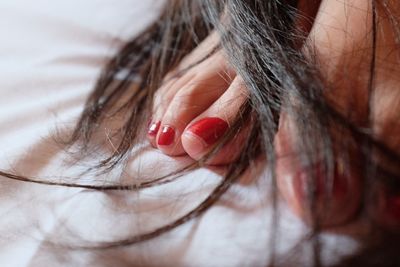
302 86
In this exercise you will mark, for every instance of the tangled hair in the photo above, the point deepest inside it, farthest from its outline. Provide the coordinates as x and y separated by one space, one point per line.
280 75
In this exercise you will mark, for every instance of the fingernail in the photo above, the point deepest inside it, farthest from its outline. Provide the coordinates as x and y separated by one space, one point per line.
209 130
336 200
153 128
393 207
338 188
167 136
388 209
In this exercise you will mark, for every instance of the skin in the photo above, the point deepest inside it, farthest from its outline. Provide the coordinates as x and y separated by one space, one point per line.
203 91
342 42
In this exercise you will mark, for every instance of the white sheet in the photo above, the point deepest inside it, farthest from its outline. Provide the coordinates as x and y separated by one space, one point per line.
51 54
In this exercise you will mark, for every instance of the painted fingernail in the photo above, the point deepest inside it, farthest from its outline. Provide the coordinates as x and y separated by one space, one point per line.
393 207
167 136
315 176
336 195
209 129
387 211
153 128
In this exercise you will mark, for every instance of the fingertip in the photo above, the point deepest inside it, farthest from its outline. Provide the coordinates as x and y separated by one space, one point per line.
193 145
168 140
152 130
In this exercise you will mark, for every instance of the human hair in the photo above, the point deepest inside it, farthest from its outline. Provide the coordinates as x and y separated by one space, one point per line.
265 46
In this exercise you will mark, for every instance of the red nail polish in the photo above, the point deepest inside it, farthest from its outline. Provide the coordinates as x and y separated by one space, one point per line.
338 187
336 198
393 207
209 129
167 136
153 128
386 210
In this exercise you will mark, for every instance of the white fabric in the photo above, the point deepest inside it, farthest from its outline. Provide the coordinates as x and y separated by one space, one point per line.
51 53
